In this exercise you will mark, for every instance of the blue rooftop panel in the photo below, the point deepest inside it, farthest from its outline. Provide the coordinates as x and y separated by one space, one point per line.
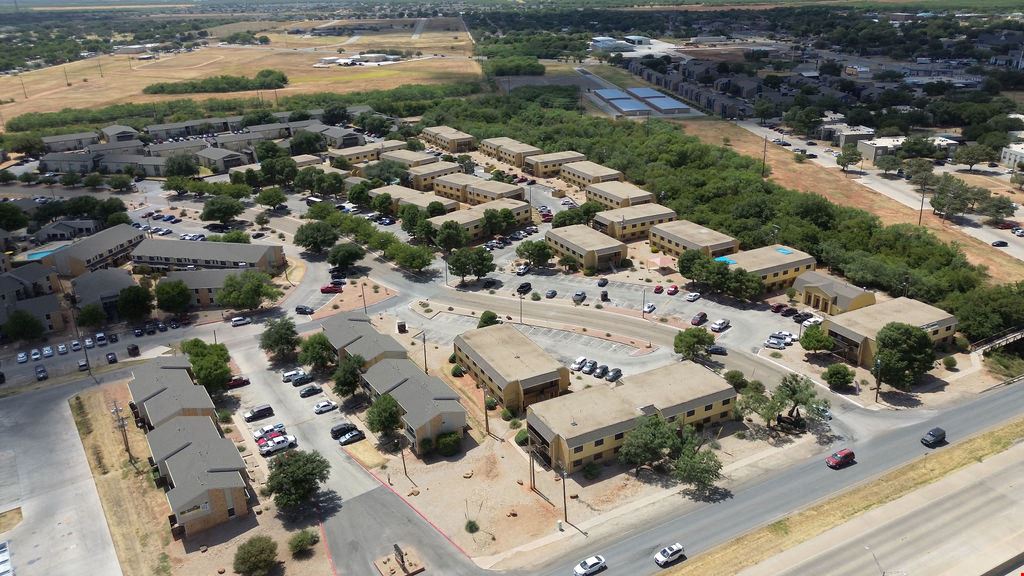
783 250
666 103
725 259
631 105
611 94
644 93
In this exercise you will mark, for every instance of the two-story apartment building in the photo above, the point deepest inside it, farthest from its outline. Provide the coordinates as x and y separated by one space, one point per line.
409 158
472 219
353 334
65 142
65 162
550 165
631 222
366 152
164 388
676 237
119 133
448 139
591 248
777 265
160 254
31 288
68 229
509 151
618 194
203 284
219 160
422 177
173 148
510 366
110 247
470 189
584 173
117 147
855 332
590 425
102 288
402 196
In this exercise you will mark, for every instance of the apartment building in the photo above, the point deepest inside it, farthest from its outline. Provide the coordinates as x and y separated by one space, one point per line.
448 139
513 370
366 152
102 288
172 148
454 186
830 295
470 189
550 165
872 150
239 142
429 406
592 248
402 196
509 151
409 158
67 229
164 388
777 265
203 284
590 425
119 133
110 247
675 237
160 254
117 147
352 334
219 160
65 142
584 173
855 332
31 288
64 162
631 222
422 177
194 127
618 194
472 219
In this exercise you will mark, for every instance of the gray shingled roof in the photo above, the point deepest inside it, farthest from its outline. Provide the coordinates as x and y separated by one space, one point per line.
176 145
92 287
100 242
153 377
114 129
420 396
176 434
203 466
216 153
353 333
226 251
30 272
115 145
66 137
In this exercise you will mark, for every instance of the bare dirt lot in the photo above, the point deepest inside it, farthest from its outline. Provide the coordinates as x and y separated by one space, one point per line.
839 188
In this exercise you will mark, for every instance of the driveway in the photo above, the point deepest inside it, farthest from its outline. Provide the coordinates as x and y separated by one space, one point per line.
44 471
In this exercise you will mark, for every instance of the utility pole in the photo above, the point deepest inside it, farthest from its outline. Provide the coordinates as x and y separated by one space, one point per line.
362 289
764 157
920 213
643 314
877 563
423 338
99 62
520 308
122 423
487 420
878 383
23 90
565 508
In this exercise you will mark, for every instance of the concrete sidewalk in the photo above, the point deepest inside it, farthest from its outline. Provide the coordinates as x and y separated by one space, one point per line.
966 523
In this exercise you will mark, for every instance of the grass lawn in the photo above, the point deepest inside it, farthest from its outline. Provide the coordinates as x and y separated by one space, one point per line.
618 76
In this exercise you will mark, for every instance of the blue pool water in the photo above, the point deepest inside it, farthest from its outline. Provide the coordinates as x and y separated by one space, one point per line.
39 255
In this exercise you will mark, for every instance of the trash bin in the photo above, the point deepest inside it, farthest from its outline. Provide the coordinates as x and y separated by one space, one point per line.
133 350
401 327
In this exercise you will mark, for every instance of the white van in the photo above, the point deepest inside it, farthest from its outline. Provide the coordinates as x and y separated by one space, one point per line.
287 376
240 321
101 339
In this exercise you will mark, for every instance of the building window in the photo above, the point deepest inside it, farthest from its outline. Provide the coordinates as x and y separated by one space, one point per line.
577 449
620 435
709 407
726 401
576 463
775 274
599 442
598 456
706 420
690 413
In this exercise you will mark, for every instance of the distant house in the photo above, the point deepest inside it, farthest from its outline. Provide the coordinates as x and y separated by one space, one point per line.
109 247
65 142
422 177
194 127
203 284
160 254
676 237
508 150
631 222
219 160
591 248
67 230
119 133
103 288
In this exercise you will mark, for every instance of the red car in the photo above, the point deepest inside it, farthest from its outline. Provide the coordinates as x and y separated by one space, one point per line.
659 289
546 217
699 318
673 290
1007 225
268 437
840 459
330 289
776 308
238 382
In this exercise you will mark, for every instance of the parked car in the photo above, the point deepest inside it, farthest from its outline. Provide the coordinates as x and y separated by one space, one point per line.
601 371
76 345
35 354
812 321
579 296
303 309
138 331
278 444
551 293
786 337
524 288
613 375
83 365
241 321
717 350
720 325
311 390
522 269
47 352
699 318
62 349
774 344
263 430
324 406
789 311
111 358
41 373
262 411
672 290
330 289
113 338
934 437
649 307
578 364
1000 244
133 350
842 458
589 367
669 554
351 437
591 565
22 357
693 296
341 428
659 289
602 282
778 307
238 382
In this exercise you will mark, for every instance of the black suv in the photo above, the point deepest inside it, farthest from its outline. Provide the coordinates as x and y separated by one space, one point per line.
524 288
934 437
303 309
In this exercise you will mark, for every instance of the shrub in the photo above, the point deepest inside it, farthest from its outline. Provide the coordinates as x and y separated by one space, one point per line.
591 471
457 371
589 272
654 250
426 446
598 306
451 359
223 416
515 423
535 297
522 437
448 444
735 379
949 362
256 556
302 541
506 414
625 263
741 435
472 527
490 403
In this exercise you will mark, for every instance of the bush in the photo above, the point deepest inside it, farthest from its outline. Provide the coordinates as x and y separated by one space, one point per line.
591 471
515 423
256 556
457 371
302 541
654 250
522 437
472 527
506 414
949 362
741 435
448 444
589 272
535 296
451 359
625 263
426 446
735 379
490 402
223 416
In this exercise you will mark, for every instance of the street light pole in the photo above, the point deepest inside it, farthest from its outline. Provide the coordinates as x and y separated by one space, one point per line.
877 563
878 382
520 308
362 290
643 314
565 508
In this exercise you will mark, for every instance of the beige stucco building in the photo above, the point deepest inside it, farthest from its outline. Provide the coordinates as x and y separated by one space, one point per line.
549 165
472 219
592 248
618 194
631 222
470 189
508 150
449 139
422 177
584 173
409 158
777 265
680 235
829 294
367 152
854 332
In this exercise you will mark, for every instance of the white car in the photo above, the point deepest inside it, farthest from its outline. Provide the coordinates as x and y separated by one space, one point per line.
241 321
47 352
263 430
578 364
62 349
522 269
786 337
76 345
591 565
89 343
693 296
649 307
278 444
812 321
719 325
669 554
324 406
22 357
35 354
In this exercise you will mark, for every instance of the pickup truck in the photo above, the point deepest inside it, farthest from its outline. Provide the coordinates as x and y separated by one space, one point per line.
278 444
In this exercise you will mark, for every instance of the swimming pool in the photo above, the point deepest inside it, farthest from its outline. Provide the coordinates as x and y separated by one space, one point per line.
38 255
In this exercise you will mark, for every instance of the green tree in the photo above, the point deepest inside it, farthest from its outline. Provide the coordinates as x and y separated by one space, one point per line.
317 351
181 165
972 155
280 339
270 197
268 149
744 285
382 203
12 217
690 260
222 209
262 219
569 262
798 391
256 556
481 262
305 142
302 541
412 257
451 236
435 208
92 315
410 216
316 236
247 290
384 415
346 376
838 376
307 177
650 442
693 343
698 467
488 318
997 207
212 372
135 303
345 255
92 180
22 325
536 252
905 353
387 171
414 144
232 237
335 114
296 476
71 179
460 263
279 170
6 176
321 211
764 109
814 339
173 296
849 155
118 218
120 182
767 407
887 163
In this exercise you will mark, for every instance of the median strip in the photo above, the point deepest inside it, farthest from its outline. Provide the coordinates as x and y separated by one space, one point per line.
763 543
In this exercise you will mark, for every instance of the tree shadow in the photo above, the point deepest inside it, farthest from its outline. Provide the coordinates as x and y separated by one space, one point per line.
709 495
822 432
323 504
930 384
353 404
900 398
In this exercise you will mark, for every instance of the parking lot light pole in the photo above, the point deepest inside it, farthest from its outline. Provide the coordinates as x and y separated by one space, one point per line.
877 563
643 314
565 508
520 308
